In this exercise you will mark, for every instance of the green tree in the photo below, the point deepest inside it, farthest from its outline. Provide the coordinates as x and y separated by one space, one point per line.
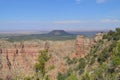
40 65
72 77
60 76
85 76
27 78
116 55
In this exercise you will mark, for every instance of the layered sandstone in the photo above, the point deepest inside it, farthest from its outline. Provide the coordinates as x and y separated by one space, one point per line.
18 58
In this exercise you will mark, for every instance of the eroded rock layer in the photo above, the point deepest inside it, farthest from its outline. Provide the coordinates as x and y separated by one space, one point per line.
18 58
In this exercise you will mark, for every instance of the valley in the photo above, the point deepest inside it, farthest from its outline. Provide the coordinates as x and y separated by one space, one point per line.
19 59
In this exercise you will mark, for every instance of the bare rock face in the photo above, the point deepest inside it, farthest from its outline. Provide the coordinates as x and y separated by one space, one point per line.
17 58
1 65
8 61
47 45
98 37
79 46
0 51
15 54
82 46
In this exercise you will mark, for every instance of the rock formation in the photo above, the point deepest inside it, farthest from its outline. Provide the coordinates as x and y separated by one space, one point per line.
98 37
47 45
18 58
82 45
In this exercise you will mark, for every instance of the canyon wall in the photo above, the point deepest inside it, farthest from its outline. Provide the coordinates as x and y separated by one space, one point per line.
18 58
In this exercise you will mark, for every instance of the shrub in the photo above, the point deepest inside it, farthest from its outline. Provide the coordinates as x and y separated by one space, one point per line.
61 76
85 76
51 67
27 78
72 77
116 60
92 60
40 66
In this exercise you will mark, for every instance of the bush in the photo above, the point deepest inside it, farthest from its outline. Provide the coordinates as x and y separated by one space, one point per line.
61 76
72 77
116 55
40 66
1 79
85 76
112 35
71 61
27 78
92 60
66 76
116 60
80 67
51 67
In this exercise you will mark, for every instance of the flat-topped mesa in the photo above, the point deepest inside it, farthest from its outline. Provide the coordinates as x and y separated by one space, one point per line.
58 33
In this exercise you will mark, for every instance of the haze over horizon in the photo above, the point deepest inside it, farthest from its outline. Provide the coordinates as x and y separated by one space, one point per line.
70 15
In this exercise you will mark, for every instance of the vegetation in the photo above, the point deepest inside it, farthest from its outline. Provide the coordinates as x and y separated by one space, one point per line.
69 75
51 67
40 66
113 35
102 63
71 61
41 37
54 35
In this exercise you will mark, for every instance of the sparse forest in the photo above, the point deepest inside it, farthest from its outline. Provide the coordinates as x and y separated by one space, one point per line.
102 63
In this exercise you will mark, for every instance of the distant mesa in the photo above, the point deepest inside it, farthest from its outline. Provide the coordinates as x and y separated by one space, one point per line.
58 33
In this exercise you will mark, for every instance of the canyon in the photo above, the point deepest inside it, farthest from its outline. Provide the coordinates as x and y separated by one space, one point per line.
17 59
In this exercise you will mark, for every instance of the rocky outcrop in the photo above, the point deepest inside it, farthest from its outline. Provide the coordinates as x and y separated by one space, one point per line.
82 45
79 46
8 61
18 58
1 65
0 51
47 45
98 37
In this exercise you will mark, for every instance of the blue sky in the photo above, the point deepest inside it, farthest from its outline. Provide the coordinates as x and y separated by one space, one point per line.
80 15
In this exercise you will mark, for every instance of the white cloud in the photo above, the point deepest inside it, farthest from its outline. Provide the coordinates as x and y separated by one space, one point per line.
100 1
78 1
110 21
68 22
103 21
103 24
63 22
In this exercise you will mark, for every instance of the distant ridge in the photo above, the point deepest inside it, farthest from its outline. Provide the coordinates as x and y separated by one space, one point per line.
58 33
53 35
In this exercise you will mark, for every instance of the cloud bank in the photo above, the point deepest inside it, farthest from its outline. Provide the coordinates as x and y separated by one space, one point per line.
80 25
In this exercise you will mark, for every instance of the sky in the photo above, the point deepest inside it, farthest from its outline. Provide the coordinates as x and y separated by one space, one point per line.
71 15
